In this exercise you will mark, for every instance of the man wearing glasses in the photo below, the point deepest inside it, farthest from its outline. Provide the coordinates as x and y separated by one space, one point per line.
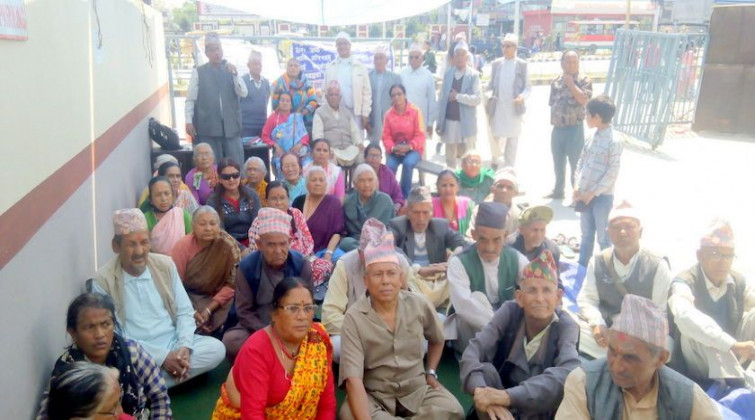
625 268
260 272
510 87
420 87
713 310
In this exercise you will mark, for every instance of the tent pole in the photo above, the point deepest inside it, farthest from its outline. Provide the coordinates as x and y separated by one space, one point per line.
448 26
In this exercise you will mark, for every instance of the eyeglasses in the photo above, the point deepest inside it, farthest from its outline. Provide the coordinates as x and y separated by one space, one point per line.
717 256
296 309
227 177
253 169
472 162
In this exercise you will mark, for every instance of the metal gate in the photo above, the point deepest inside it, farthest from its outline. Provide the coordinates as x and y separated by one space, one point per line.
654 79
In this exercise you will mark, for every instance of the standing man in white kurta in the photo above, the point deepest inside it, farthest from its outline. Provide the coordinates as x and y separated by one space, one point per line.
352 77
510 87
420 88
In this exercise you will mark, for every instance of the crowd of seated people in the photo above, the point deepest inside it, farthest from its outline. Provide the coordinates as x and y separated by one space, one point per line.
241 264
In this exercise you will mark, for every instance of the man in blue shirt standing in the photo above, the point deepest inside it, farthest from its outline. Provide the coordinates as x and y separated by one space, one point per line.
151 304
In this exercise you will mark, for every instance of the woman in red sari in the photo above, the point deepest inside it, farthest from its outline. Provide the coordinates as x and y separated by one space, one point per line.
285 370
206 261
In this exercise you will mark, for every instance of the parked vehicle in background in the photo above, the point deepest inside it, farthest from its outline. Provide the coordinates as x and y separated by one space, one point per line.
590 35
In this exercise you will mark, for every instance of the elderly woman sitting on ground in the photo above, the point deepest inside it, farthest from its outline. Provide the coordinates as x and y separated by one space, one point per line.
91 324
475 180
255 172
166 222
206 261
86 390
203 177
362 203
169 168
324 215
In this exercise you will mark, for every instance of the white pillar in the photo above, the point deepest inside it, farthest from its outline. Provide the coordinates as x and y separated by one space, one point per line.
517 17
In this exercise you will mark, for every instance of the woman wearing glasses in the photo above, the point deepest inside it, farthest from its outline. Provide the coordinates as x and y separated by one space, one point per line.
237 205
91 324
283 371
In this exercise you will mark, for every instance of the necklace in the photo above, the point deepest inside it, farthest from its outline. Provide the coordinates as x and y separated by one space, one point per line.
284 350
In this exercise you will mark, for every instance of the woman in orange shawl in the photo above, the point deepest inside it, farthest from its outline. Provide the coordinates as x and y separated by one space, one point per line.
283 371
206 261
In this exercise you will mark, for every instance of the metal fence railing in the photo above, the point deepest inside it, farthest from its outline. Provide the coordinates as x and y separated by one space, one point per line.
654 79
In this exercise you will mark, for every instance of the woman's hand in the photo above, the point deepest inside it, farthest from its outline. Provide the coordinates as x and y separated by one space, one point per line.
278 151
295 150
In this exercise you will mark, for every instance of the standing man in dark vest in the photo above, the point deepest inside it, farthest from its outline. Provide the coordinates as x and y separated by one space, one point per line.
213 115
713 309
518 363
482 277
254 105
259 273
625 268
633 381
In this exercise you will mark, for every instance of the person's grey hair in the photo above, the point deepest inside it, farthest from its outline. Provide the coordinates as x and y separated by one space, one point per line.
207 145
204 209
254 53
79 392
362 168
259 163
165 157
315 168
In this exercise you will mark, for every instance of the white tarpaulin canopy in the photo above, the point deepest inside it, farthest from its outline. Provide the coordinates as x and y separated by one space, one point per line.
331 12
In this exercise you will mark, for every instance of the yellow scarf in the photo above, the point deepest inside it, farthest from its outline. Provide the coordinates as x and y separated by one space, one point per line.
307 382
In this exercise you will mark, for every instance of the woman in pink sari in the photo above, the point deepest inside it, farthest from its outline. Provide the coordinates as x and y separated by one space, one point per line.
451 206
166 222
336 184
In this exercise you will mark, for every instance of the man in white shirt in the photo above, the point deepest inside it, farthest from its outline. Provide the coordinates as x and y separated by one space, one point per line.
420 87
151 304
713 309
625 268
353 79
482 277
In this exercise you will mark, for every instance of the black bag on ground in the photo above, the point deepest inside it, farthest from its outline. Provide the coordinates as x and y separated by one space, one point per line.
163 135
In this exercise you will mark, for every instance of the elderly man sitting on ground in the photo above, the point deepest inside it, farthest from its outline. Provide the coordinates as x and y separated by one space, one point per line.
531 240
484 276
151 304
260 272
625 268
346 286
383 332
428 242
633 381
517 365
713 309
503 190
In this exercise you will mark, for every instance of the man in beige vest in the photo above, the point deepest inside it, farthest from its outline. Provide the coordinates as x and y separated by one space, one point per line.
336 123
151 304
346 284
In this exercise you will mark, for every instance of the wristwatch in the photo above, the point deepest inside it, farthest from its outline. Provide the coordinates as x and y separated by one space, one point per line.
433 373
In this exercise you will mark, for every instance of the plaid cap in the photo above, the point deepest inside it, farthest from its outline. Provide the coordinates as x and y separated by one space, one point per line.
542 267
127 221
270 220
534 214
624 209
718 234
643 320
371 230
380 249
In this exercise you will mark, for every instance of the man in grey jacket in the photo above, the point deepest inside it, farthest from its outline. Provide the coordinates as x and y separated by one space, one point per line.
213 115
517 365
428 242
